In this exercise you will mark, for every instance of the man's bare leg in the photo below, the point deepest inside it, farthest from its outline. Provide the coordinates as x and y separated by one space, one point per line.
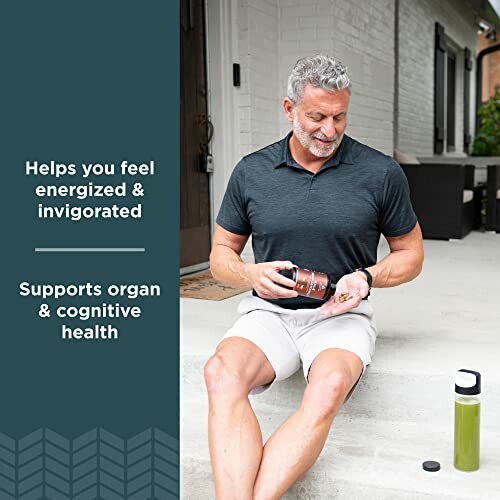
296 444
235 438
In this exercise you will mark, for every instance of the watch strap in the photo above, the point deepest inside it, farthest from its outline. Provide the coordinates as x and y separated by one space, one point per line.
369 277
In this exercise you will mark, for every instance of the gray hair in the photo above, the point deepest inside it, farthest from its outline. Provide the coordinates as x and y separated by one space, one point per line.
319 71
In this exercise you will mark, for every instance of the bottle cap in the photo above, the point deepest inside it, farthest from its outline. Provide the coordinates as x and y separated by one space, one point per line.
431 466
291 274
468 382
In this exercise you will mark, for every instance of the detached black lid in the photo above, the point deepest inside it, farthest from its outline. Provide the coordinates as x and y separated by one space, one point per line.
431 466
468 382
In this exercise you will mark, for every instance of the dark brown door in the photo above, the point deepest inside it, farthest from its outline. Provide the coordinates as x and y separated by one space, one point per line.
195 191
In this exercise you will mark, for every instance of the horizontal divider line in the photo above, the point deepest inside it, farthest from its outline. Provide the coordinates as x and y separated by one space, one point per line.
47 250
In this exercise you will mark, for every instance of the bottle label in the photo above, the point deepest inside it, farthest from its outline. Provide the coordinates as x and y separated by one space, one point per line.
312 284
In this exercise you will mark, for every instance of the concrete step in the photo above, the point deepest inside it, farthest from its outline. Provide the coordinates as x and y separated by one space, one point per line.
396 395
198 485
364 458
402 412
396 419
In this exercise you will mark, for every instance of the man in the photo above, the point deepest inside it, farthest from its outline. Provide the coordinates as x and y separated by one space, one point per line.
316 199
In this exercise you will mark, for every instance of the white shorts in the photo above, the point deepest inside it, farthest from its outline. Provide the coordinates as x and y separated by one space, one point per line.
290 337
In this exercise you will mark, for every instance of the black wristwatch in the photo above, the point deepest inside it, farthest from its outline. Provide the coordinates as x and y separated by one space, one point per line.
369 277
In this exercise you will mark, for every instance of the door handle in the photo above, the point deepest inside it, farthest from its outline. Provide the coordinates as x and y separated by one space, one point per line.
206 160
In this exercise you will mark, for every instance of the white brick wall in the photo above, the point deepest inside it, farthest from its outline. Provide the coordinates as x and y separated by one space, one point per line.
356 33
416 70
275 33
259 101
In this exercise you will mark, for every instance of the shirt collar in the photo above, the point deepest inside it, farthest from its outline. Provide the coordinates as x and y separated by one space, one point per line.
343 154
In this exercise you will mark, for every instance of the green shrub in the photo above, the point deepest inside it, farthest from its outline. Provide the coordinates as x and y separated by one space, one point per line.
487 140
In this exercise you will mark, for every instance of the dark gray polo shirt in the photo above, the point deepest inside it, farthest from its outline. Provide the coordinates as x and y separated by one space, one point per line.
330 221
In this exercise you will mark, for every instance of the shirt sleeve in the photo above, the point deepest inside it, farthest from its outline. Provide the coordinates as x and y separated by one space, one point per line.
396 216
233 214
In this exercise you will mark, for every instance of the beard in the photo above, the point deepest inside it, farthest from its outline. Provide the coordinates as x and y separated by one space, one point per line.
307 141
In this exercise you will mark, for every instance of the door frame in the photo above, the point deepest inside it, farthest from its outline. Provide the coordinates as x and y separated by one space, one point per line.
222 48
221 33
195 220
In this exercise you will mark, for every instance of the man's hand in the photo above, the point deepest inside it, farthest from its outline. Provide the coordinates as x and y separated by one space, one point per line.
266 280
353 284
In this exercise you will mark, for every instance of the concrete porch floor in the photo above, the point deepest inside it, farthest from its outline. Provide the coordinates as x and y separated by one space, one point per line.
402 410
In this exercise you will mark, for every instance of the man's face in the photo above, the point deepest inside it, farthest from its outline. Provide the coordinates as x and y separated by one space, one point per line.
319 120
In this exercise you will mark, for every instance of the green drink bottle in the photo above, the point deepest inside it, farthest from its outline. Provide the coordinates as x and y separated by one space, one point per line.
467 418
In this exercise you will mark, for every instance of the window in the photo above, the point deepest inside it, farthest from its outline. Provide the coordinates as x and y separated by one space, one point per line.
452 72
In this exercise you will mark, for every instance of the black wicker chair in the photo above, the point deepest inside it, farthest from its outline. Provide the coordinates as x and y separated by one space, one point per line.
442 197
493 199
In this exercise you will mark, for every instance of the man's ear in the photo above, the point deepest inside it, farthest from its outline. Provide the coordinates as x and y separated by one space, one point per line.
288 106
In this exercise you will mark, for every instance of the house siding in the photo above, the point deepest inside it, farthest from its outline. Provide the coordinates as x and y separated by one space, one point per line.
274 34
416 70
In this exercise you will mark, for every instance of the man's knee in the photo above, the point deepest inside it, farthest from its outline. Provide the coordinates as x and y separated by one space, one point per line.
223 378
326 394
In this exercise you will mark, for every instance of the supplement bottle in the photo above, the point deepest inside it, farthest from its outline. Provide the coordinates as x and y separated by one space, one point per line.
310 283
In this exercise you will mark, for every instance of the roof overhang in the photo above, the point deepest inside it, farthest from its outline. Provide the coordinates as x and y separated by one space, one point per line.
484 11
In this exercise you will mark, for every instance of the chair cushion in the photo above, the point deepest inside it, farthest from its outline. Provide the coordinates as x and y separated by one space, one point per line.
406 158
468 195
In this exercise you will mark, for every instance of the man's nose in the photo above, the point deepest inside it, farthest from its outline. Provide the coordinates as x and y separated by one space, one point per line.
328 128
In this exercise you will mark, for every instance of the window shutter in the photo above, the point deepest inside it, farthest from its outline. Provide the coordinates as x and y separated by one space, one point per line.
439 91
467 77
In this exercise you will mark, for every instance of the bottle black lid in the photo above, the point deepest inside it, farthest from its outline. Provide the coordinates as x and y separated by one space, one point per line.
431 466
468 382
291 274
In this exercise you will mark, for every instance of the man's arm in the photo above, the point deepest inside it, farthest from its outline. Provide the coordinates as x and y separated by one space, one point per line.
226 266
403 264
225 262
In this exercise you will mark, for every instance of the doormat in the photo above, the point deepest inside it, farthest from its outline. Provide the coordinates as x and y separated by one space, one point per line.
204 286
